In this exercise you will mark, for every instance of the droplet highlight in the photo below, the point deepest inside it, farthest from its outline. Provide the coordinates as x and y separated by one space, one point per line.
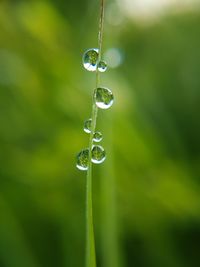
98 154
97 137
102 66
90 59
88 126
82 160
104 98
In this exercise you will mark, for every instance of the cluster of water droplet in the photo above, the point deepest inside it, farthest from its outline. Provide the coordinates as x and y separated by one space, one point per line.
91 61
98 153
104 100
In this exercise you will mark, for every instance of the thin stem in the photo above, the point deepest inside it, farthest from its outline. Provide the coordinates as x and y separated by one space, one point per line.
90 240
100 37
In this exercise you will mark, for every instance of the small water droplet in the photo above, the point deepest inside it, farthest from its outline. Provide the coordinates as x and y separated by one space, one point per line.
102 66
104 98
98 154
90 58
87 126
97 137
82 160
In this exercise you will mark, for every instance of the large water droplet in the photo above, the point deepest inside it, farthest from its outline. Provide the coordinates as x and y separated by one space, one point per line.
104 97
90 58
98 154
82 160
87 126
97 137
102 66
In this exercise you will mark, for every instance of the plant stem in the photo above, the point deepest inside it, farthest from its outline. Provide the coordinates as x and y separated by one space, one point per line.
90 240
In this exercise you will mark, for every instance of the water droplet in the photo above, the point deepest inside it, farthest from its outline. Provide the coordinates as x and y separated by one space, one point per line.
97 137
90 58
104 97
102 66
82 160
98 154
87 126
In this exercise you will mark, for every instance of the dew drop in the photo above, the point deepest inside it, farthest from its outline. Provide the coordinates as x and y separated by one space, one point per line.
97 137
87 126
102 66
82 160
98 154
104 98
90 58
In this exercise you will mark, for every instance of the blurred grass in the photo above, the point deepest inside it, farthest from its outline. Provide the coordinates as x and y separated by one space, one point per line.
44 99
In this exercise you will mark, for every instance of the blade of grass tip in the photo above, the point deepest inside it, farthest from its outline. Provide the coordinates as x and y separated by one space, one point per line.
90 240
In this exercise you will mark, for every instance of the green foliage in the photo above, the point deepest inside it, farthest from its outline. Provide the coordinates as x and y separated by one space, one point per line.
44 98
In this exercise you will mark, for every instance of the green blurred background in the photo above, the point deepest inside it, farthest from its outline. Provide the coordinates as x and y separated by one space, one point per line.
146 194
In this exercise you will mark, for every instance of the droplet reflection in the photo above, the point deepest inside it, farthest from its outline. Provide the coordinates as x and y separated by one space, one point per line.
90 59
98 154
104 97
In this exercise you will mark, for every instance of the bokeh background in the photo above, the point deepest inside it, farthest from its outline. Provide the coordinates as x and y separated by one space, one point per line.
147 194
